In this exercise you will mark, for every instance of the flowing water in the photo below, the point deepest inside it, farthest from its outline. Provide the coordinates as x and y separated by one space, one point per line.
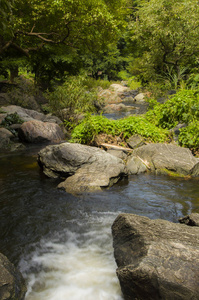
61 243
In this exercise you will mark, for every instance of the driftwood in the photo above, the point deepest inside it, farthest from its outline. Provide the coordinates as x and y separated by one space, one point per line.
115 147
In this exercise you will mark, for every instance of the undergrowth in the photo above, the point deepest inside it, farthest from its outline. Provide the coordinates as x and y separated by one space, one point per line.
92 125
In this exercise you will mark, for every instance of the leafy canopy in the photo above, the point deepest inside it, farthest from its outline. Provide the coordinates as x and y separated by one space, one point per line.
73 23
166 32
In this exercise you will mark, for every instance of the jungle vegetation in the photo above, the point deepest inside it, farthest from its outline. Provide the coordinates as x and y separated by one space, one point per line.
67 48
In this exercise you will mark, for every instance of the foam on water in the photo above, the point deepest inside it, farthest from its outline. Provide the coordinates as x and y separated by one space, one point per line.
74 265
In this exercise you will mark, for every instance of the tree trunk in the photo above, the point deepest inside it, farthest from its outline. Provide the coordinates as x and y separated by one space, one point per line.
14 72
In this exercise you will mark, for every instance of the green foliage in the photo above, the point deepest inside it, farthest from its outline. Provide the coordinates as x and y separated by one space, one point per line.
189 136
56 37
165 39
11 119
183 107
91 126
92 83
72 95
132 81
23 94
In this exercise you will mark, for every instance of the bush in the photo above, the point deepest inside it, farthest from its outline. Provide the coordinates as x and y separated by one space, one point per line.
189 136
73 95
91 126
183 107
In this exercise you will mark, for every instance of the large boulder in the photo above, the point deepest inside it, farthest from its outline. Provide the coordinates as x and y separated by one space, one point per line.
37 132
156 259
12 285
119 88
163 158
89 168
28 114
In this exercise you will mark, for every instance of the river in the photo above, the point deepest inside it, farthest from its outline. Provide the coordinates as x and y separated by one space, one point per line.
61 243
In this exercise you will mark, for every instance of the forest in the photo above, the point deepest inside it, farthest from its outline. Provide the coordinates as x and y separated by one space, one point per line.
67 49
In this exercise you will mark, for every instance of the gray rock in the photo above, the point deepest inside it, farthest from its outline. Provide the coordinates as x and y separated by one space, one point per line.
119 88
29 114
135 166
37 132
168 157
195 171
191 220
12 285
135 141
11 109
118 153
5 138
156 259
2 117
90 168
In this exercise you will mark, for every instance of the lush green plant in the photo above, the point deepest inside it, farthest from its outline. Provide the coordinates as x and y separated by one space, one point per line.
165 38
139 125
91 126
132 81
11 119
92 83
183 107
189 136
73 95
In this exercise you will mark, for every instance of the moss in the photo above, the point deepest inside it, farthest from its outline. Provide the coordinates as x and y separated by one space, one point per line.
173 174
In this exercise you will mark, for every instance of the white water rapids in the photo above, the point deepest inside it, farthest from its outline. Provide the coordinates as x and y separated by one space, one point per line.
74 265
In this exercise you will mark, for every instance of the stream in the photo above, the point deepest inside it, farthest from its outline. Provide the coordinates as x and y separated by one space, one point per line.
62 244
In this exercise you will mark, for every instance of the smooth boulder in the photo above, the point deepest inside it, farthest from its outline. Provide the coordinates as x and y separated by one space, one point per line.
85 168
12 285
35 131
28 114
163 158
156 259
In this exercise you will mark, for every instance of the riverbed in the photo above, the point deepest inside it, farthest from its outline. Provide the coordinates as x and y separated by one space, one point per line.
62 244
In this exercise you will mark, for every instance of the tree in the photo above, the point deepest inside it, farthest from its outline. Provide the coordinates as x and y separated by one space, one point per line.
73 23
166 32
84 25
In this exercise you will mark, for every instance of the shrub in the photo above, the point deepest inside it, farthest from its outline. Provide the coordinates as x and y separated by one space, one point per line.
74 95
91 126
189 136
183 107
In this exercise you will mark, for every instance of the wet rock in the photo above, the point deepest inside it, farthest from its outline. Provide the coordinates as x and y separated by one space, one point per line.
12 285
163 158
195 171
135 166
191 220
156 259
112 108
89 168
35 131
